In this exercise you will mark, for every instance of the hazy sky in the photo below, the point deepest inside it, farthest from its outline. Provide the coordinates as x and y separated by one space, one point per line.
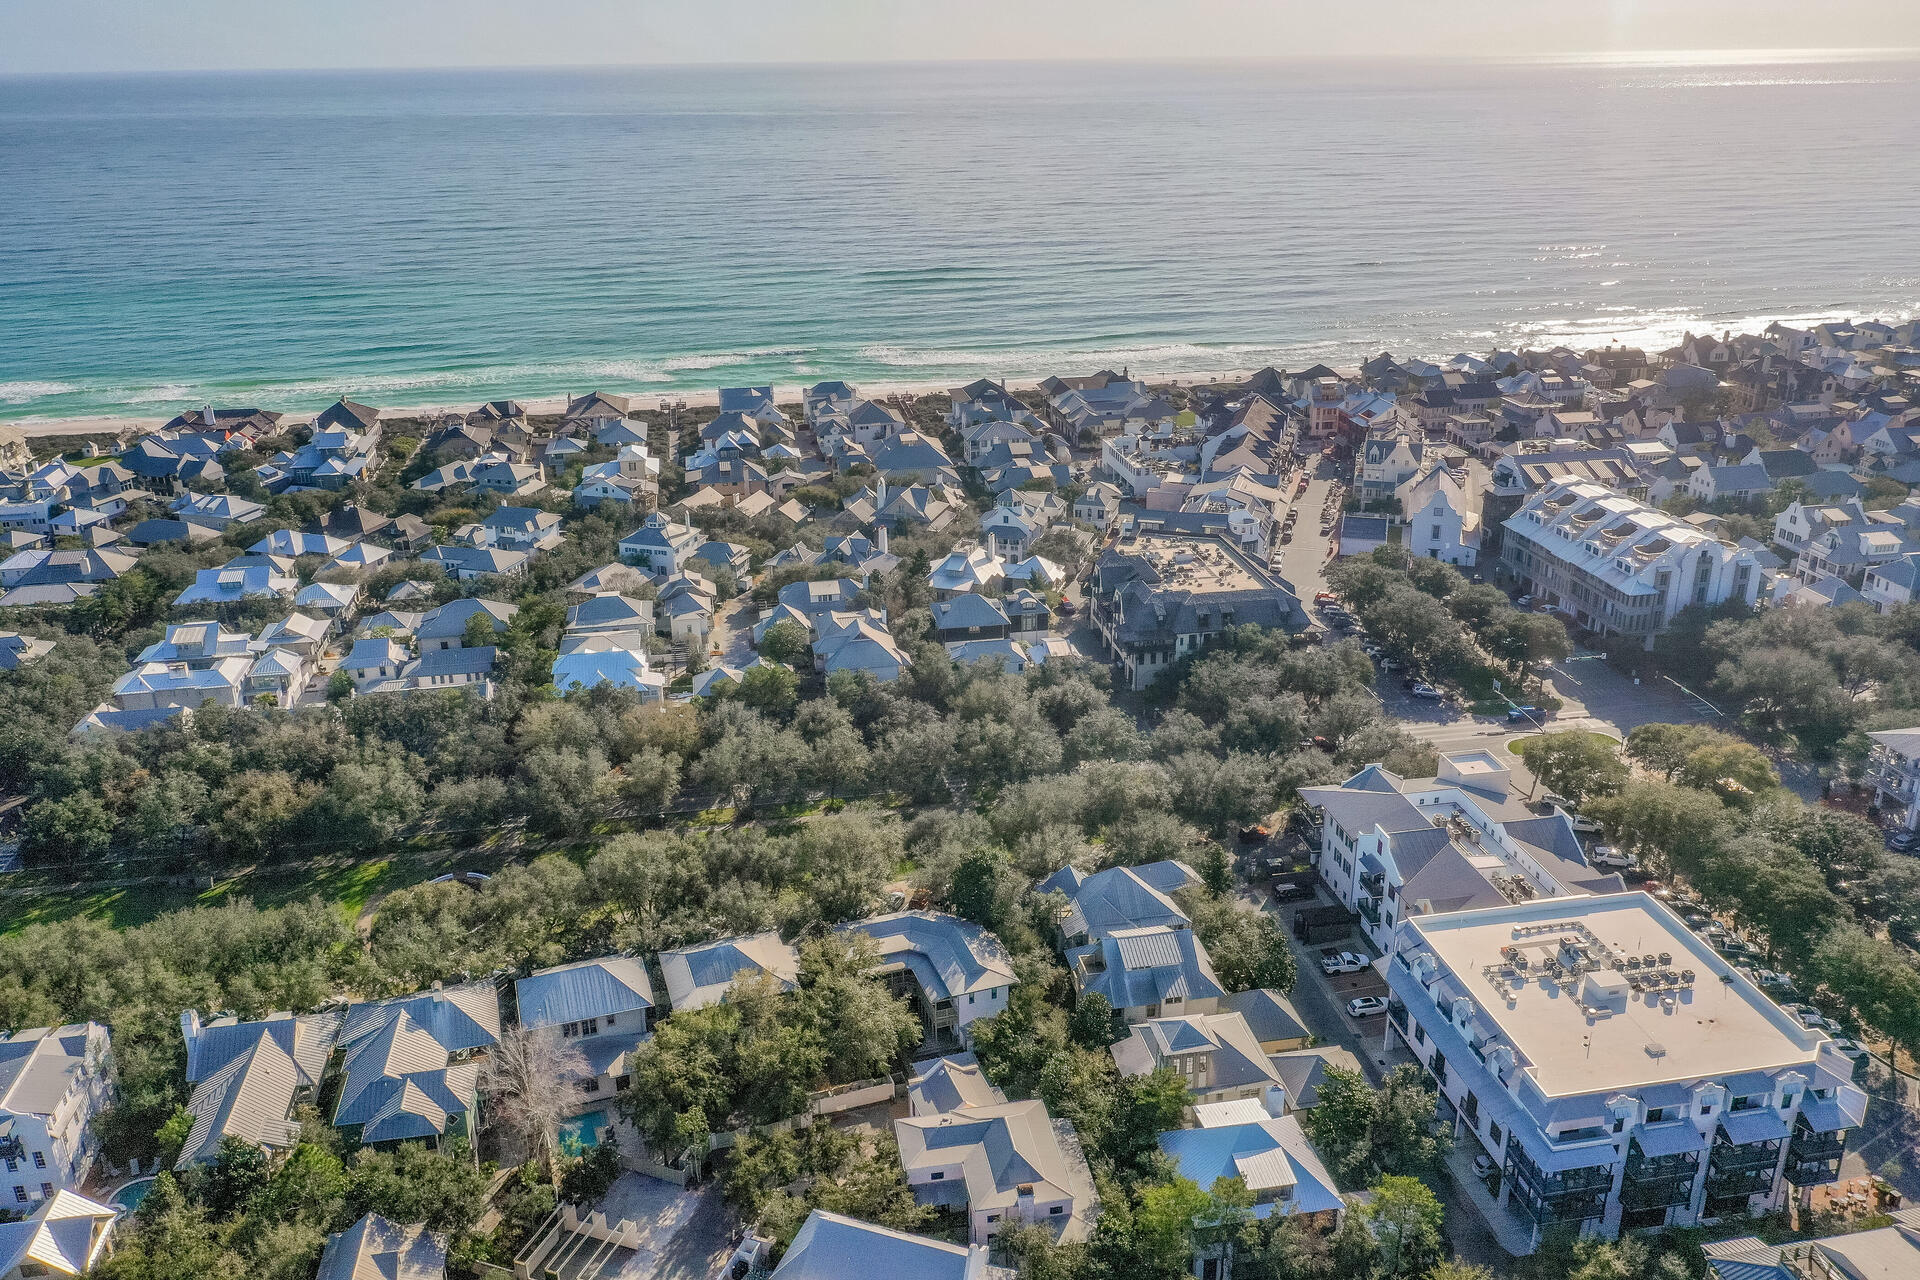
116 35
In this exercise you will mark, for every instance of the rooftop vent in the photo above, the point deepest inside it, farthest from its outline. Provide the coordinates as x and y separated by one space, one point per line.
1656 1050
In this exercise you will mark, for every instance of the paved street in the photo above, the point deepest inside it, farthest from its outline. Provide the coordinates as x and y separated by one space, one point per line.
1321 1002
1304 560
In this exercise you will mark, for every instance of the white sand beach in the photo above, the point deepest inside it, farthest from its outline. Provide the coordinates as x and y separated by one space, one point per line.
118 426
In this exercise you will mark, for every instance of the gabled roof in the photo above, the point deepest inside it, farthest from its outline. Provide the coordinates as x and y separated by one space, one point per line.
1000 1150
65 1235
701 975
450 619
1124 898
966 610
948 956
585 989
1267 1155
375 1249
951 1084
1139 967
832 1247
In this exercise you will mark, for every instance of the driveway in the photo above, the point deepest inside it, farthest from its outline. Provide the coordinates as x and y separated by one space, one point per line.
733 632
684 1234
1320 1002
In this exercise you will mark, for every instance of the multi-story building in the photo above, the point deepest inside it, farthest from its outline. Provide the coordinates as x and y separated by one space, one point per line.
1619 1073
53 1082
953 971
1001 1165
1441 506
1161 595
1216 1054
1893 771
1393 847
1619 568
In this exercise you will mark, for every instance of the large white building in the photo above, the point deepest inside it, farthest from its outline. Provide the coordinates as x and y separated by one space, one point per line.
1393 847
53 1082
1617 567
1620 1074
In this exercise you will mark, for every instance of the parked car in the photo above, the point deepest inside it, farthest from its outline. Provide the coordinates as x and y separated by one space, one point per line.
1342 962
1483 1165
1808 1016
1427 691
1523 602
1389 664
1583 824
1291 891
1850 1049
1325 597
1608 858
1366 1006
1901 841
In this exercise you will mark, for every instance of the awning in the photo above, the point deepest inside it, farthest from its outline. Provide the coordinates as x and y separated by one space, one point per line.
1843 1111
1668 1139
1763 1124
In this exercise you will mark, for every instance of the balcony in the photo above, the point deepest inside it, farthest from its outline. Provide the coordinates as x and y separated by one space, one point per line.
1740 1171
1374 882
1658 1182
1814 1157
1370 910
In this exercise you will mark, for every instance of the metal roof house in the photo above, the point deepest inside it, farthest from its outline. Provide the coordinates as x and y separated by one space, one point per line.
1147 973
409 1066
953 970
702 975
832 1247
603 1007
1106 902
247 1078
375 1249
54 1081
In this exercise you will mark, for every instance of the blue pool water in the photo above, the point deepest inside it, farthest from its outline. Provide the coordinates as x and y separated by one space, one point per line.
130 1196
582 1133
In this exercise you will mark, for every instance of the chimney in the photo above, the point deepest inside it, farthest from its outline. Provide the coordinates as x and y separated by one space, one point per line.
189 1029
880 537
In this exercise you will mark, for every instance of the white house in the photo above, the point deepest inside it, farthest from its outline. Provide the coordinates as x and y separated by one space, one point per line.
1441 506
54 1082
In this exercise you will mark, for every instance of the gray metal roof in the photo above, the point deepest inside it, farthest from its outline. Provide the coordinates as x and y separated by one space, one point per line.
585 989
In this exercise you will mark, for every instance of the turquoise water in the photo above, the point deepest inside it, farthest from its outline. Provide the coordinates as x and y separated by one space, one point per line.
129 1196
440 237
582 1132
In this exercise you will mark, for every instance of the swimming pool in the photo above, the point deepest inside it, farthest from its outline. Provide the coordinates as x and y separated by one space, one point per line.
128 1197
582 1133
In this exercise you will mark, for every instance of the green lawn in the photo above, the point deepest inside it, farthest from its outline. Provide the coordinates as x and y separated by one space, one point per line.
349 886
1519 746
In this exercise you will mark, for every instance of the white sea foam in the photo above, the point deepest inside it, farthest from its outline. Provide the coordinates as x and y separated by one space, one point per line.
166 393
26 392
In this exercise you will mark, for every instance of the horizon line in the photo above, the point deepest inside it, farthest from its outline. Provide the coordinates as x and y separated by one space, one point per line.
1624 58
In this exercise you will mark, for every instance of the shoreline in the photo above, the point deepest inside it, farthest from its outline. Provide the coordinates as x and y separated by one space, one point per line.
789 393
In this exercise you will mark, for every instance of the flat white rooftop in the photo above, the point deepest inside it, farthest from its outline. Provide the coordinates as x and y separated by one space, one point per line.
1589 1032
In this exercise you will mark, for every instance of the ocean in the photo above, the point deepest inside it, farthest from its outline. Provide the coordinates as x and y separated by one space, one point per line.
445 237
